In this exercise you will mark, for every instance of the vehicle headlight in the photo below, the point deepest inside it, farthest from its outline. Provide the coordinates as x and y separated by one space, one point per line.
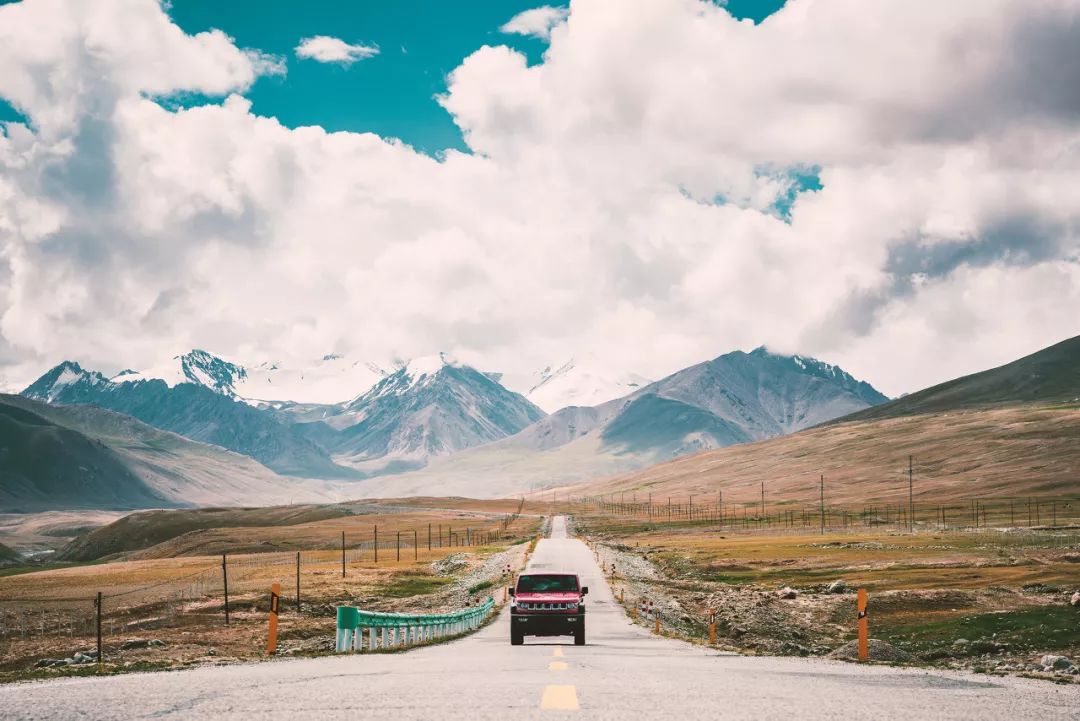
572 605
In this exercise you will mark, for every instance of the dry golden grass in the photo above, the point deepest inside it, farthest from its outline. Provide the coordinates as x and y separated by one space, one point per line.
180 599
1010 452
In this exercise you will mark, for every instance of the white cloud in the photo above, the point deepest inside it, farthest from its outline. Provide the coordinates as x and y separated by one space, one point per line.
617 203
538 22
326 49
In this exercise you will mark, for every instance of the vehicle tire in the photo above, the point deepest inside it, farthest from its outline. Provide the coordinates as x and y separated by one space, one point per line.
516 637
579 637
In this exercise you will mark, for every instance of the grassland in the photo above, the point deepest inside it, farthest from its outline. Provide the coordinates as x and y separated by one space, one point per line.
172 591
989 599
1017 451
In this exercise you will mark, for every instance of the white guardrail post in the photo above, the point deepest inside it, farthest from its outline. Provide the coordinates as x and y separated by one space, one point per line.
406 628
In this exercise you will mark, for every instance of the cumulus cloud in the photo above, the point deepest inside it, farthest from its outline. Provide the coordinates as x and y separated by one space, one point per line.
326 49
538 22
620 198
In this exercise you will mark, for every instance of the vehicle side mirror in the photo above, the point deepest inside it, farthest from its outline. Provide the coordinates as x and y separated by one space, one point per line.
511 592
584 590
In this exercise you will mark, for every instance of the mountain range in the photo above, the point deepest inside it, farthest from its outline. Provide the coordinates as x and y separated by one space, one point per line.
434 424
1007 432
82 456
735 398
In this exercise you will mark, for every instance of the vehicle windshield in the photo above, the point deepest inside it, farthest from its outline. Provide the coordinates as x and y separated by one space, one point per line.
546 584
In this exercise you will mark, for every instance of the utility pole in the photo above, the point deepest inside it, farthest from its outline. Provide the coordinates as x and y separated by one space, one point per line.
343 554
763 500
823 504
376 545
416 553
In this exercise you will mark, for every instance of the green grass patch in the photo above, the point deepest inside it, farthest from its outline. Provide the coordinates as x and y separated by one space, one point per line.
476 588
1044 628
404 585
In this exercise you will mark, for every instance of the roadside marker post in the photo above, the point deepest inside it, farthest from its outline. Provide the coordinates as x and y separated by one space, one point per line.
712 627
275 599
864 627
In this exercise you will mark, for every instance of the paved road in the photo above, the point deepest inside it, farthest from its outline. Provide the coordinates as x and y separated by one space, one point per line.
624 673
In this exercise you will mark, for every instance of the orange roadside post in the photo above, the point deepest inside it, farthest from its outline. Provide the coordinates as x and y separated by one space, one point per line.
864 627
712 627
275 598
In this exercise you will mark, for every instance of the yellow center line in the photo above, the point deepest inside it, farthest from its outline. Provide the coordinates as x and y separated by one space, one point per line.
559 698
557 651
556 666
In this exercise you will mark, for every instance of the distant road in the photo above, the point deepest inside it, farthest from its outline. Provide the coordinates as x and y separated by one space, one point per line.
623 673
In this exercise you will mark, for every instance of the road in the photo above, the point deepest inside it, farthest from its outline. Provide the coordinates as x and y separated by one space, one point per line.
623 673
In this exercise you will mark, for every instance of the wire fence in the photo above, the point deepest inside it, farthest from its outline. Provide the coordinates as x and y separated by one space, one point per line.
974 514
147 596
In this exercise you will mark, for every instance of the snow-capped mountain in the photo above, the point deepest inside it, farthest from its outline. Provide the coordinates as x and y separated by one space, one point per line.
735 398
198 366
579 382
202 409
431 406
328 380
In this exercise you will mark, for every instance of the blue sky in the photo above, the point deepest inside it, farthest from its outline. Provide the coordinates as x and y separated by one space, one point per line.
391 94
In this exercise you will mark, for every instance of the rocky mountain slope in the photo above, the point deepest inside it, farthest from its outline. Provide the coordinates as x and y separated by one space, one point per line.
194 411
82 456
46 465
736 398
431 407
1012 431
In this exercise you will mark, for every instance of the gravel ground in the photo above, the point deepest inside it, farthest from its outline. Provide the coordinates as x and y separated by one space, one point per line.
781 621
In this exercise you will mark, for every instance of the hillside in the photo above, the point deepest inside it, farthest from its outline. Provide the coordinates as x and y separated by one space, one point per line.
735 398
431 407
194 411
1008 431
1049 376
167 469
1017 451
150 528
44 465
8 557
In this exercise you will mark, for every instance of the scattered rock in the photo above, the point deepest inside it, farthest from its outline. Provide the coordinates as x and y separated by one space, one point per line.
51 662
878 651
961 642
1056 663
787 592
450 564
837 586
155 643
211 652
1075 600
81 657
134 643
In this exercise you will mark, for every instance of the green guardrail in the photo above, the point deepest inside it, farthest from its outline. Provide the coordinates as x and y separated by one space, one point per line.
388 630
